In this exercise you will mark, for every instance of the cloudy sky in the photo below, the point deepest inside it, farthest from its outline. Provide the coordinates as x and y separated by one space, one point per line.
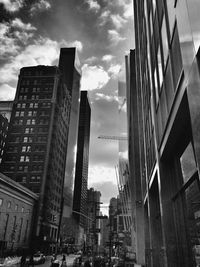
32 32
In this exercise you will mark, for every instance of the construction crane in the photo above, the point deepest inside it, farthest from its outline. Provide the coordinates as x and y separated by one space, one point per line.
113 137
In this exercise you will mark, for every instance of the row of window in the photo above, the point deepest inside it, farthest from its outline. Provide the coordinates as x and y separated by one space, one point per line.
16 206
45 81
31 121
31 113
35 97
25 179
34 105
35 89
30 139
27 148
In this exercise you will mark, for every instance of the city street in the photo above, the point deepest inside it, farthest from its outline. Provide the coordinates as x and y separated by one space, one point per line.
69 260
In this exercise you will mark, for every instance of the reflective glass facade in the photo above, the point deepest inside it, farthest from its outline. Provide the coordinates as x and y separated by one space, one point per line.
166 121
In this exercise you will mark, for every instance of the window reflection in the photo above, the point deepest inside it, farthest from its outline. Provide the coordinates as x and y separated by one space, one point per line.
156 85
171 14
192 198
160 67
188 163
154 5
164 40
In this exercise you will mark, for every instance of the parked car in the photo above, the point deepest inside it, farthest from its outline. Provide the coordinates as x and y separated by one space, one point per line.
39 258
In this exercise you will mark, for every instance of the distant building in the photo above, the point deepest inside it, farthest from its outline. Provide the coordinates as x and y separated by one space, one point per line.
92 222
17 209
6 109
81 170
164 123
36 147
3 134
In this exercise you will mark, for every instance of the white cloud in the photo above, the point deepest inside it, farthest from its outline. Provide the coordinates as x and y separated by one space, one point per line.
13 35
97 174
117 20
93 77
91 60
104 17
40 6
114 69
12 5
115 37
109 98
123 155
76 43
107 58
19 24
128 10
93 5
43 51
7 92
126 5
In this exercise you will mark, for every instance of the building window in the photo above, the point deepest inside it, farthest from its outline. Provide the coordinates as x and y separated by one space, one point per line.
177 58
1 201
29 130
156 85
24 159
16 207
188 163
24 179
8 204
154 5
26 148
160 71
164 40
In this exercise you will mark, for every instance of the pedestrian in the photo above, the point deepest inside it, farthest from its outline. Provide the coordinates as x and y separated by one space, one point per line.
87 263
31 261
23 261
64 263
80 261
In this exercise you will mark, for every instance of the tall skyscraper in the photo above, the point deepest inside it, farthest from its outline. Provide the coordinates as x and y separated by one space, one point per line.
36 147
82 158
164 127
70 67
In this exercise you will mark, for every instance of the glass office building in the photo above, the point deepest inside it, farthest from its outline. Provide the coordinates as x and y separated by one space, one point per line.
164 150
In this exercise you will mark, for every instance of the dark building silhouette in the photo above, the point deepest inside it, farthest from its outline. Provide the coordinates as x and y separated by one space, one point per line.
3 134
164 123
36 147
70 68
6 109
82 158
